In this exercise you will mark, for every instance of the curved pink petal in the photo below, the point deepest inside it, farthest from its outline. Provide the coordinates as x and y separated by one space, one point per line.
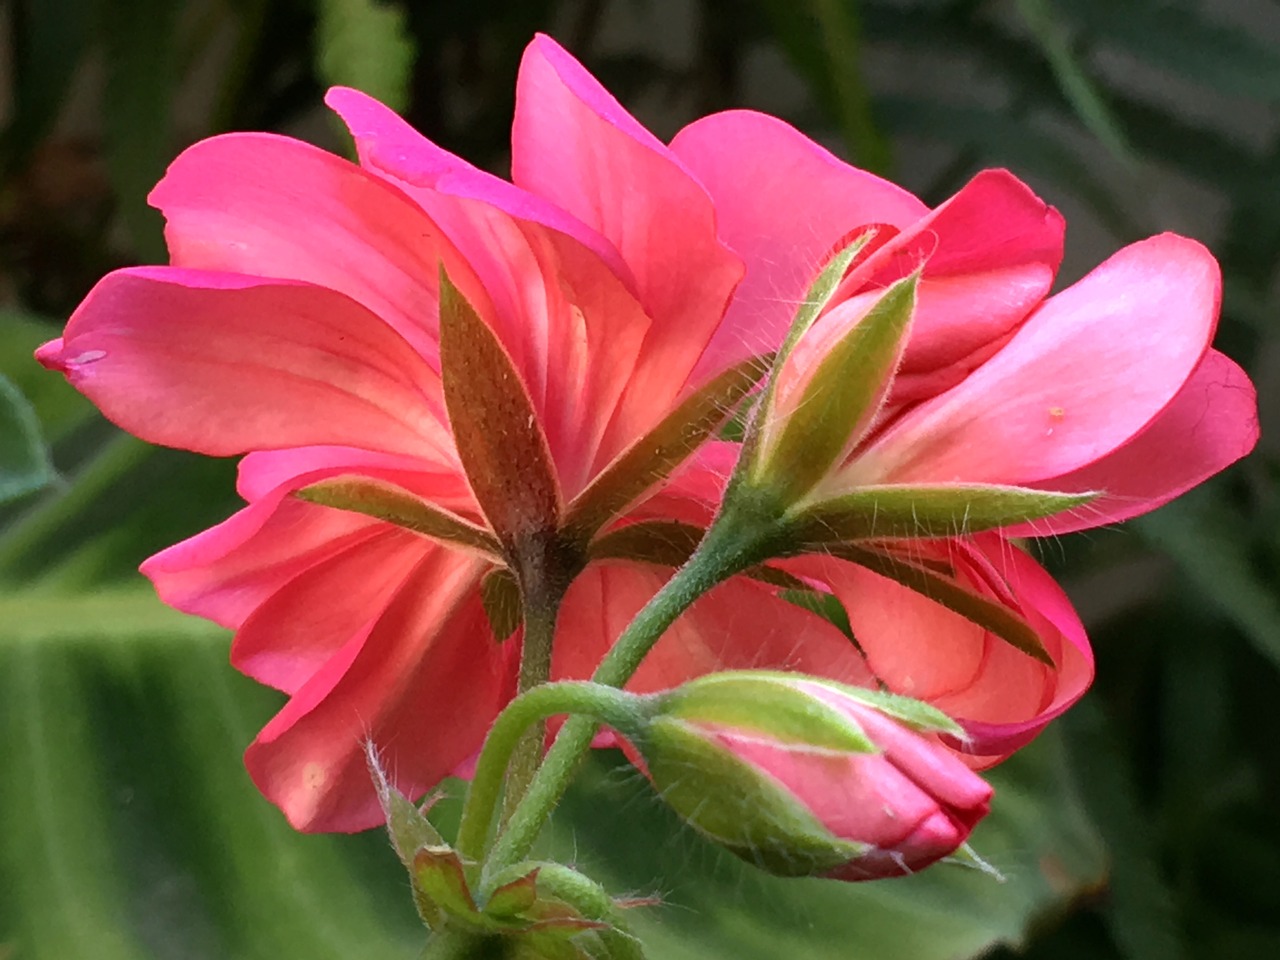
918 648
1211 423
225 572
1084 374
990 254
272 206
561 302
262 472
222 364
292 633
390 148
574 145
994 734
422 683
740 624
782 203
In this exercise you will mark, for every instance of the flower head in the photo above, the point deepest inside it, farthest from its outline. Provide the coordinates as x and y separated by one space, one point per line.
804 776
440 380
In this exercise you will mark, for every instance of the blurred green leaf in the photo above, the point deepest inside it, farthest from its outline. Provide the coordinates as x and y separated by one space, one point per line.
1209 542
140 38
717 907
1184 42
1140 908
24 461
49 40
365 44
57 405
1077 85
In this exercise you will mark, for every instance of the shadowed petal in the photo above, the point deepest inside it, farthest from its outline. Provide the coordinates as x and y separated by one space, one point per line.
423 683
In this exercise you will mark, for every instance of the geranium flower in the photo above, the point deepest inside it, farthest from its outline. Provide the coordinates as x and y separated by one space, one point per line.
627 288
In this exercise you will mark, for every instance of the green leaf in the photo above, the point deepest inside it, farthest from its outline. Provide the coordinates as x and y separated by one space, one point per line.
366 44
652 458
385 501
926 511
1078 87
137 103
1141 908
500 441
996 617
49 40
1181 40
667 543
1210 546
839 401
24 460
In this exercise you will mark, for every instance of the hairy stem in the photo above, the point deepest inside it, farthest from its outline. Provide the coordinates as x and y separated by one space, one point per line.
734 543
529 711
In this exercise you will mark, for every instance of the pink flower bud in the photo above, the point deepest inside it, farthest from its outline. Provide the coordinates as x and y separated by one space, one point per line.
804 776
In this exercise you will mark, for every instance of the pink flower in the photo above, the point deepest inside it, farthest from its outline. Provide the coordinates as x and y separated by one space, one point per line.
802 776
623 280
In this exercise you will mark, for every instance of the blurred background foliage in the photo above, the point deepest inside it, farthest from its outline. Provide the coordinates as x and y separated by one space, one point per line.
1147 825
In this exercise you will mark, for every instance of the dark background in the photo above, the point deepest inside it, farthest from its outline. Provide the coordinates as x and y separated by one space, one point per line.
1146 825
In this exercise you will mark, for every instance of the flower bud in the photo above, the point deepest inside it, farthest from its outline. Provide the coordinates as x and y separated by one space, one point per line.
804 776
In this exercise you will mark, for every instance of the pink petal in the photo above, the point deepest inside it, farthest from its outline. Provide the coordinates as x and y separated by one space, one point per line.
1083 375
423 683
782 203
990 256
390 148
263 471
1210 424
1000 695
225 572
221 364
271 206
739 624
994 732
292 633
561 302
574 145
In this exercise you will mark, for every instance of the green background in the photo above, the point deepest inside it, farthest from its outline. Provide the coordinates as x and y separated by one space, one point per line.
1145 825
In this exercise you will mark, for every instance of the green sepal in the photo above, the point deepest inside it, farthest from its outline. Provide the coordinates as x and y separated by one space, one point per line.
500 595
767 703
385 501
408 827
994 616
500 441
839 401
653 457
823 288
440 875
737 806
924 511
916 714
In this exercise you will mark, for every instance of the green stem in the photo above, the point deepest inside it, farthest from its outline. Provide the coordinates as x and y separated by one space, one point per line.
529 710
535 669
734 543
